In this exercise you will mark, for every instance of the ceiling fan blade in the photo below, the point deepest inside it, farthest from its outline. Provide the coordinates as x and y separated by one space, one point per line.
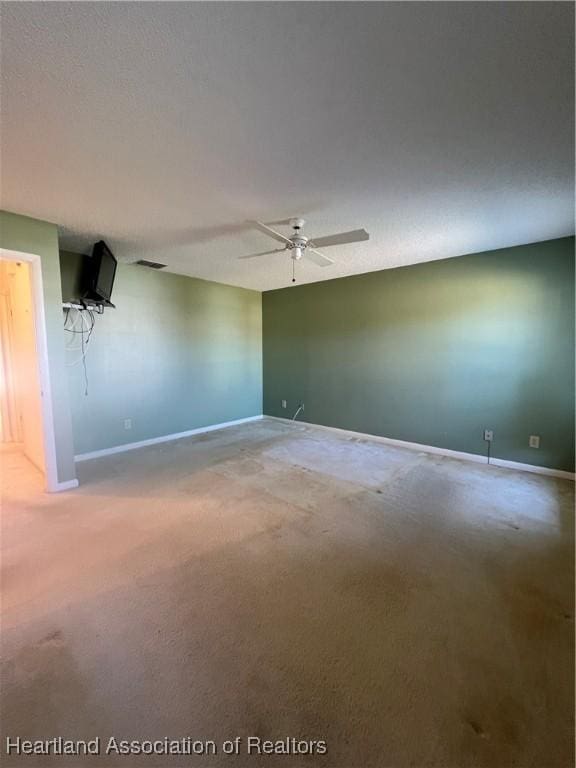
356 236
271 232
318 258
264 253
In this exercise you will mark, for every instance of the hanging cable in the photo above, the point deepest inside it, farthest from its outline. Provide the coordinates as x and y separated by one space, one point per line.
87 323
300 408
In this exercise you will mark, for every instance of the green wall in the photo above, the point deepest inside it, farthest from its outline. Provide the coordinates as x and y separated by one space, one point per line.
177 353
435 353
432 353
21 233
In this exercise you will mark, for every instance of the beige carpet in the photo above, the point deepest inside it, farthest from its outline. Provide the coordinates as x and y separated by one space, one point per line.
278 581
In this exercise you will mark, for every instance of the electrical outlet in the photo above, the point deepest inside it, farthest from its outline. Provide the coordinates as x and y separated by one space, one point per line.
283 403
127 423
534 441
488 435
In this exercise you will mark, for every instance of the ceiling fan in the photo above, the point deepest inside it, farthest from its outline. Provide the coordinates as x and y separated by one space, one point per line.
298 245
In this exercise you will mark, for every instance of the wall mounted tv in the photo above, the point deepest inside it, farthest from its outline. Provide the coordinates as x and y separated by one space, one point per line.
101 273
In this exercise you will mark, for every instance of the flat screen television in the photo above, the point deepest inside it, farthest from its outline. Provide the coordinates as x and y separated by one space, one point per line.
102 273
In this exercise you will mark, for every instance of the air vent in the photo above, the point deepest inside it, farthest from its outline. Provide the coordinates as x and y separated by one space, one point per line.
150 264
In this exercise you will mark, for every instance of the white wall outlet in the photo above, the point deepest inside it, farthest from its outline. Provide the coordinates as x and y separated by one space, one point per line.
534 441
127 423
488 435
283 403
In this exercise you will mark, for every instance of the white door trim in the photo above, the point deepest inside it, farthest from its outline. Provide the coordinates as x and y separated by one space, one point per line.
48 435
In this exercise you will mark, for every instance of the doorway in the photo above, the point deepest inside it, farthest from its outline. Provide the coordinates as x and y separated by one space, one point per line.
21 416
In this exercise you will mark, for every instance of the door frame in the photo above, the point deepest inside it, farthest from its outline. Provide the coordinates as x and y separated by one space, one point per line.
48 434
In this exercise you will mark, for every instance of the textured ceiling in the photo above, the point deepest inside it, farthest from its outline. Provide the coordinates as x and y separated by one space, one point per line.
441 128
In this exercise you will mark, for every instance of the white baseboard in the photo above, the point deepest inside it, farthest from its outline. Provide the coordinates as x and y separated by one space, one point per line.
68 485
440 451
533 468
162 439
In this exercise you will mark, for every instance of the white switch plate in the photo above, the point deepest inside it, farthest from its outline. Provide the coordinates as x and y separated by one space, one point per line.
488 435
283 403
127 423
534 441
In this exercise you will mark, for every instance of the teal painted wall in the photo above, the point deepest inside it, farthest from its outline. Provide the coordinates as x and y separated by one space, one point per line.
177 353
435 353
21 233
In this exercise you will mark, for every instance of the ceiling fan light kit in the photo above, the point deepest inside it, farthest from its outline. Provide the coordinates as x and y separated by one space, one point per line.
300 246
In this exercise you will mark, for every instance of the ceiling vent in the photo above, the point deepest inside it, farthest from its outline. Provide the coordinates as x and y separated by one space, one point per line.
150 264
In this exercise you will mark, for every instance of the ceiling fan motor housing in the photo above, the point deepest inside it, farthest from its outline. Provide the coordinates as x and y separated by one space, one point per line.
299 243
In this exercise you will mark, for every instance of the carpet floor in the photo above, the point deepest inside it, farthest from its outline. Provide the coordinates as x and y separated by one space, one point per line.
274 581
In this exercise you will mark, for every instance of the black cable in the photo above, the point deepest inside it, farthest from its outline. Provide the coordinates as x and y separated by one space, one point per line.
84 363
84 342
85 348
69 330
93 322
